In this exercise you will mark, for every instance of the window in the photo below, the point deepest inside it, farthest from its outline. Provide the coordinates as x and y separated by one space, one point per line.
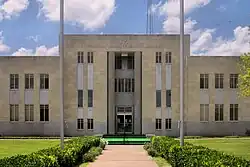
204 112
44 81
158 124
80 98
219 112
14 81
29 112
234 81
116 85
203 81
80 124
130 62
128 109
124 109
80 58
168 98
158 57
124 85
118 61
158 98
234 109
29 81
219 79
14 112
90 124
168 123
168 57
44 112
121 85
90 57
90 98
127 84
133 85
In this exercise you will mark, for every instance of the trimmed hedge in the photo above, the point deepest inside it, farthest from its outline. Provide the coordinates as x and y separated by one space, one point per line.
70 156
192 155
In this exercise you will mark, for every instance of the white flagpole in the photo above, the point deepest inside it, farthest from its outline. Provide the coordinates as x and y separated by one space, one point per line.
61 52
181 72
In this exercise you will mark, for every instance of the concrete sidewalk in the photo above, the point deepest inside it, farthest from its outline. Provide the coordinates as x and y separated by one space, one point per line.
123 156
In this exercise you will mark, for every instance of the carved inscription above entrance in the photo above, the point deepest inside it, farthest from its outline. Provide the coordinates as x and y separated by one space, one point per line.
124 44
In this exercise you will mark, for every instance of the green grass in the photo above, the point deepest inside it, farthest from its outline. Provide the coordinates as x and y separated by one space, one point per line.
161 162
236 146
10 147
84 164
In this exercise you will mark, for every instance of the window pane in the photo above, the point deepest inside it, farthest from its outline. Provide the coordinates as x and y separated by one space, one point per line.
158 98
47 82
90 98
168 98
26 81
80 98
46 114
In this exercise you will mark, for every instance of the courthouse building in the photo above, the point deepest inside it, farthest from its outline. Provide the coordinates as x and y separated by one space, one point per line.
121 84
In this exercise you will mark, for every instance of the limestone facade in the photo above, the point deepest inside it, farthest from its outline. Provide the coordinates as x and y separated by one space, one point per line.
121 84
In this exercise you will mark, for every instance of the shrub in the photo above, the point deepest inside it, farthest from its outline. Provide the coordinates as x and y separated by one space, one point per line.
92 154
147 146
192 155
70 156
103 143
152 152
31 160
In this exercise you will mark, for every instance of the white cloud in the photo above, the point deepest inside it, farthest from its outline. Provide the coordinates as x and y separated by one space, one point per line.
202 41
10 8
233 47
172 7
91 14
3 46
39 51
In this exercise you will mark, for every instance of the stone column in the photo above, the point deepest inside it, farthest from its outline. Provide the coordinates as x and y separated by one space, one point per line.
137 94
111 93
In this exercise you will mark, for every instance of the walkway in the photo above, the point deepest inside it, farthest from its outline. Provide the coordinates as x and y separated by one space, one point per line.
123 156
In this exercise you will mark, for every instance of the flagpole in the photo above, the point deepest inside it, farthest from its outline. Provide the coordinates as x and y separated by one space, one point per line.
181 72
61 53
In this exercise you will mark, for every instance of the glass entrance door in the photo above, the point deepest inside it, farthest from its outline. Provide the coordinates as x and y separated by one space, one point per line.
124 123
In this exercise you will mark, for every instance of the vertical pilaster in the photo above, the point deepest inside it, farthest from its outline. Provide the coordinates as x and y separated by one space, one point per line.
111 93
137 93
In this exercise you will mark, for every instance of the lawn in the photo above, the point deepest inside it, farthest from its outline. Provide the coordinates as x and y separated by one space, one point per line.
237 146
9 147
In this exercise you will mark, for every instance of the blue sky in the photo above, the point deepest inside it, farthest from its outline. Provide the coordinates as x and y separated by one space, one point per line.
26 32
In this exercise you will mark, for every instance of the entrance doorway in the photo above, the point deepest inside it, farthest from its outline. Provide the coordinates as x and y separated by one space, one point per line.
124 123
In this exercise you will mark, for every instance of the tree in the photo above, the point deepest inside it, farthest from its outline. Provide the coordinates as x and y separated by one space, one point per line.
244 76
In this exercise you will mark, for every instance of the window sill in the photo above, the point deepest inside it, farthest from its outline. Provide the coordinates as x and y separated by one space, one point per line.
90 130
203 121
80 130
219 121
168 129
29 122
44 122
158 129
234 121
14 122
